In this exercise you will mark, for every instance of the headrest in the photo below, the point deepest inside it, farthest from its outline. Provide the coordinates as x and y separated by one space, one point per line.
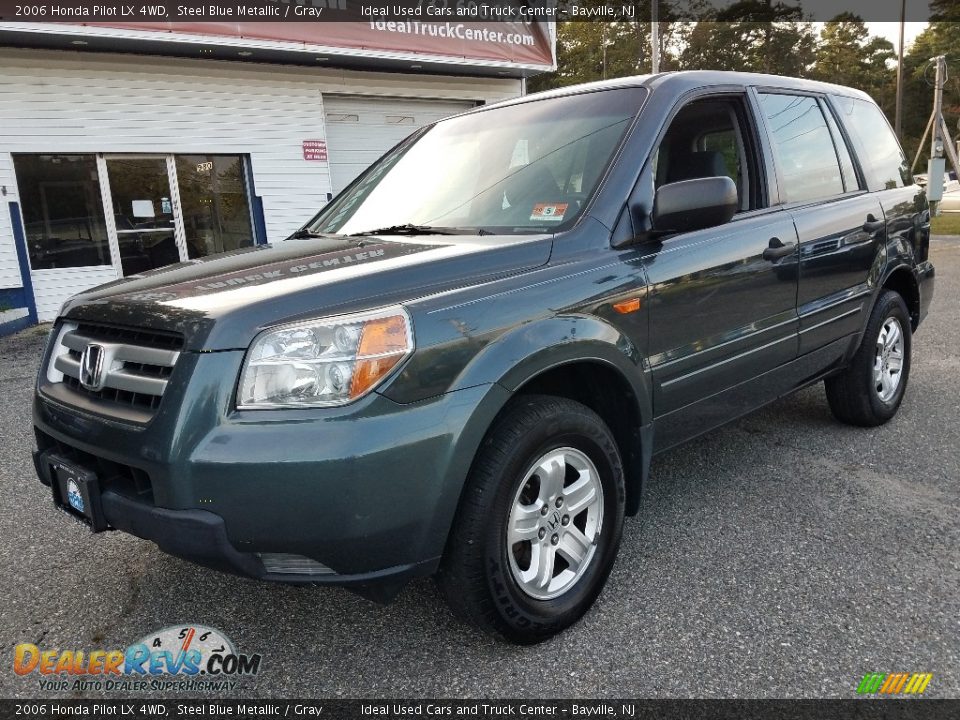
692 165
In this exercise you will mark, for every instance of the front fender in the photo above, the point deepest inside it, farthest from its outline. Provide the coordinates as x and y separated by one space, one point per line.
536 347
503 366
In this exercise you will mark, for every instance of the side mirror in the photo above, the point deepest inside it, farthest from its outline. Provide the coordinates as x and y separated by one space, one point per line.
694 204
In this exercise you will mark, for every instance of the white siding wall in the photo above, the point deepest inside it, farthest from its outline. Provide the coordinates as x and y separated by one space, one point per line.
68 102
52 287
9 265
78 109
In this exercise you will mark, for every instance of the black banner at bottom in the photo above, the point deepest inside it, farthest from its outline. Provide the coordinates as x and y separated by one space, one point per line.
864 709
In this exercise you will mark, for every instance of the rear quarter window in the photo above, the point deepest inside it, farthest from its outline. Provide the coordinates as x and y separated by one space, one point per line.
882 158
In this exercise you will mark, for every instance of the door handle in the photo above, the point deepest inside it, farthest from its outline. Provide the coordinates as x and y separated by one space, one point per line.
776 249
873 225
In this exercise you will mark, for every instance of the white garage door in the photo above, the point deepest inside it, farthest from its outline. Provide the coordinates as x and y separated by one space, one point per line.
360 130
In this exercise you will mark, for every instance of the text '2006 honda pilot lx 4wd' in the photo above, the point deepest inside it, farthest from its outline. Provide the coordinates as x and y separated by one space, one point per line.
463 365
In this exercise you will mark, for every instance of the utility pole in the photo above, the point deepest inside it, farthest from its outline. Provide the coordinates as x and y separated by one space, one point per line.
654 36
940 142
898 126
603 42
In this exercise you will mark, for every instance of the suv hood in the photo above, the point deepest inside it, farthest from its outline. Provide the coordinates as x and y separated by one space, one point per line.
222 302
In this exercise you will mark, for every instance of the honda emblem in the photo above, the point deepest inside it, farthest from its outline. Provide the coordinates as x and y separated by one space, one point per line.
91 368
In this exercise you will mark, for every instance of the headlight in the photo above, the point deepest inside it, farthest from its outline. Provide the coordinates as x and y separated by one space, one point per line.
326 362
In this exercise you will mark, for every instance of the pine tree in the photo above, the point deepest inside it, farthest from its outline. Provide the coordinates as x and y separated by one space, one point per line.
848 55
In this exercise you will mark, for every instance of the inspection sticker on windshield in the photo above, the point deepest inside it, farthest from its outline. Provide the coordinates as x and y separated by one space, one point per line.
549 212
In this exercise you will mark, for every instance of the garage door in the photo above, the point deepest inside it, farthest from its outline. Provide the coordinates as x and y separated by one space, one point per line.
360 130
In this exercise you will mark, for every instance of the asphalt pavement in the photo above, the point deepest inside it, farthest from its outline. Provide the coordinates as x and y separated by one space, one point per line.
785 555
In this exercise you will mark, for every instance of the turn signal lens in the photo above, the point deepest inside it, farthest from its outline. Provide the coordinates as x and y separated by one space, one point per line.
383 336
383 343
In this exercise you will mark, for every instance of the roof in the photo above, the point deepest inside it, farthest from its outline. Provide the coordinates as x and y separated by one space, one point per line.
683 81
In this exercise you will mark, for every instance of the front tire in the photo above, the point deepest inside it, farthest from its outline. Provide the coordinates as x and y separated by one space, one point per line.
539 524
869 391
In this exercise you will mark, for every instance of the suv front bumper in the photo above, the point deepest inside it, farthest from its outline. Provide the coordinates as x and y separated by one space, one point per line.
368 490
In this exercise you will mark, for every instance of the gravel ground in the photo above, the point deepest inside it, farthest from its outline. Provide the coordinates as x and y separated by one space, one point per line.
782 556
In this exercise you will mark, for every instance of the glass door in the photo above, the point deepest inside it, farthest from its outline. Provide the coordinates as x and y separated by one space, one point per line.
143 212
215 203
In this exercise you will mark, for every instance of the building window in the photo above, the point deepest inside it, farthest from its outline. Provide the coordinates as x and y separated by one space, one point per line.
151 197
214 202
62 210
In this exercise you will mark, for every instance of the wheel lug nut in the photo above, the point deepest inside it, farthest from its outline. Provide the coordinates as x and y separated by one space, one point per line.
544 510
555 539
565 520
542 534
559 501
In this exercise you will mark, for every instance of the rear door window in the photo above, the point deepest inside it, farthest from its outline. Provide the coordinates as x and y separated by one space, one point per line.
805 151
850 181
884 163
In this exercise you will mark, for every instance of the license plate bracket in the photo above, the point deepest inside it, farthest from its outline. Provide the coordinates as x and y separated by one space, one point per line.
76 491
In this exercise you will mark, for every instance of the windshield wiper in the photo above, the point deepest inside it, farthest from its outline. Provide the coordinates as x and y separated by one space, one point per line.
408 229
308 233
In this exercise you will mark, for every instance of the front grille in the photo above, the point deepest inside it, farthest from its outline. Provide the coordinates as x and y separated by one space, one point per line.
125 479
130 371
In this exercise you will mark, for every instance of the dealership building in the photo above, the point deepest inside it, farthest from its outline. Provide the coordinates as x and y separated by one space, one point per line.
128 146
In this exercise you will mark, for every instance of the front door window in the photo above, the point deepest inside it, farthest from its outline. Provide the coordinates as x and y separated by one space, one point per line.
143 213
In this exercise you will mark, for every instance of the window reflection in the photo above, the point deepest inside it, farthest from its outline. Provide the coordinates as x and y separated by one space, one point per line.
808 159
213 196
62 210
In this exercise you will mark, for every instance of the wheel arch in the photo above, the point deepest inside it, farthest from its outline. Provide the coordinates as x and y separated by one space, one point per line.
605 390
586 359
902 280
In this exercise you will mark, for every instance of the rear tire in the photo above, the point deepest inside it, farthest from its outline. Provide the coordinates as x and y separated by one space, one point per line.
539 524
869 391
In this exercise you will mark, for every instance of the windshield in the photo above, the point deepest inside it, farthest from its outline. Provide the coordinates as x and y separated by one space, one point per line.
527 168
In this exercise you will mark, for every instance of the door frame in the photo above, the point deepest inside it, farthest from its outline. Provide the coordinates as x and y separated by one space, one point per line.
179 233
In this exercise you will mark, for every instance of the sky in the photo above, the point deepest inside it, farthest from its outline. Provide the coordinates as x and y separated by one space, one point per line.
891 31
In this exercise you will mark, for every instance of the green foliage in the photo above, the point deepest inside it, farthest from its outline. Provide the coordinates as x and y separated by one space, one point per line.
945 224
940 38
588 51
753 36
848 55
774 37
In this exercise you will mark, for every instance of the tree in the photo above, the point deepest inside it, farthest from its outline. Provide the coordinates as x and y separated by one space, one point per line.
848 55
942 37
752 35
588 51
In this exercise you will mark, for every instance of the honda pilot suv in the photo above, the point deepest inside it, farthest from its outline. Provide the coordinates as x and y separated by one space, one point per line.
463 365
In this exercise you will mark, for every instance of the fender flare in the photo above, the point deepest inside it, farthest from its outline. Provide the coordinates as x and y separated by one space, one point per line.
535 348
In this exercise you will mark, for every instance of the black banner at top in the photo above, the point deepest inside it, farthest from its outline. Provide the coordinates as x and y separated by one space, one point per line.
165 11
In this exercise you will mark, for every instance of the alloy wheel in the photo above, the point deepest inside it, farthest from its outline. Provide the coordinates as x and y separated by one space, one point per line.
555 523
888 361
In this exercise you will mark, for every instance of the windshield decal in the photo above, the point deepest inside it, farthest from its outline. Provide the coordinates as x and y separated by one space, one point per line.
548 212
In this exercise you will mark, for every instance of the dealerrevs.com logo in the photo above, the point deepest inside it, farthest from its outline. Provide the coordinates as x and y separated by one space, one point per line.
179 657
